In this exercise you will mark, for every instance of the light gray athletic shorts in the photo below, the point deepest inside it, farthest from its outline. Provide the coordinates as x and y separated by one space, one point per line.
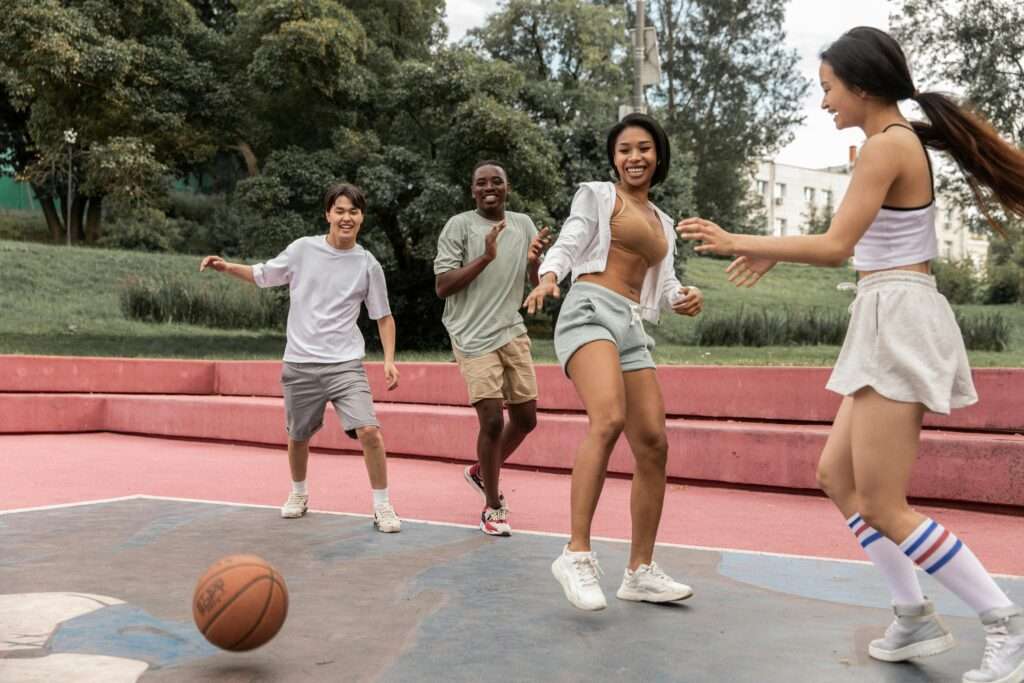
591 312
309 386
903 341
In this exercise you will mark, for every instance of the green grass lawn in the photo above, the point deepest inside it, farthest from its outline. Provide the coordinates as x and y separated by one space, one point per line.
64 301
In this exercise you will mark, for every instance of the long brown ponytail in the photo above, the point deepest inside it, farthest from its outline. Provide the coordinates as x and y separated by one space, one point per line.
871 60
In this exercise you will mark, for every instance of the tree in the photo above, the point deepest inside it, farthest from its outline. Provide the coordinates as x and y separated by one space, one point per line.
977 48
134 83
818 219
731 94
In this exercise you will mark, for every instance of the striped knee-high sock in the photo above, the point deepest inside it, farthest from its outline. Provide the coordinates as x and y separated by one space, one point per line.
940 553
900 574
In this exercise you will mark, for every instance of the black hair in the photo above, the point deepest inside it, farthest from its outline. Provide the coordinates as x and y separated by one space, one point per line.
354 194
662 149
872 61
487 162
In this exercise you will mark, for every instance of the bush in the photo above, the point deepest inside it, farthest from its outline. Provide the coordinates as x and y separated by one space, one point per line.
220 302
1003 284
23 225
142 229
785 327
956 280
984 331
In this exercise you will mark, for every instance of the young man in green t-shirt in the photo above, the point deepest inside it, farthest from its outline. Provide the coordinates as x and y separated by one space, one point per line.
484 258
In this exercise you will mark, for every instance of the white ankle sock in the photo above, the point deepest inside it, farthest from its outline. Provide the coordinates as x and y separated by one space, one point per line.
899 572
380 497
299 487
940 553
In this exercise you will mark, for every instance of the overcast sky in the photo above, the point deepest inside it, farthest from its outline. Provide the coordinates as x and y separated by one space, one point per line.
810 26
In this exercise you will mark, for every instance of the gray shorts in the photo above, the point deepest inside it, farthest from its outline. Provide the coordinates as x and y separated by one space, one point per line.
591 312
309 386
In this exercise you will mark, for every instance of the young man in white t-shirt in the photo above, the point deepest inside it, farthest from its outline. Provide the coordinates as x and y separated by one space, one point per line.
330 277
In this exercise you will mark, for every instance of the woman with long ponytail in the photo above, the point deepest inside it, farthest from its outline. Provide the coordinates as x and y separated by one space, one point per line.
903 354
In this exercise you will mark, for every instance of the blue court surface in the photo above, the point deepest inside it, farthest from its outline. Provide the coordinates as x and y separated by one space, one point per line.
102 592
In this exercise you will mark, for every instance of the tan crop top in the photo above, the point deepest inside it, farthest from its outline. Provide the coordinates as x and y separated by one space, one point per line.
634 234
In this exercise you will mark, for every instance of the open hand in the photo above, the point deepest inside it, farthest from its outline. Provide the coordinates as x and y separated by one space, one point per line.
215 262
746 271
535 299
491 241
538 245
713 239
689 301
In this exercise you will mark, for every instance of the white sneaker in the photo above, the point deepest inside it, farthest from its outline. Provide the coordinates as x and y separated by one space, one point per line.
649 584
1003 661
295 506
578 573
916 631
385 519
495 522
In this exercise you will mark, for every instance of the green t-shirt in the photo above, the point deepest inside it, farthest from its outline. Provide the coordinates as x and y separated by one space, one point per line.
485 315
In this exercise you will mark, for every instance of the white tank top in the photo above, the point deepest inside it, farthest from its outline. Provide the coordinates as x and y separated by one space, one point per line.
899 236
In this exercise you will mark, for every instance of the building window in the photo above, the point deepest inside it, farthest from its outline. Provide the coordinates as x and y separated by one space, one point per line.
762 187
780 189
808 194
949 248
780 224
826 195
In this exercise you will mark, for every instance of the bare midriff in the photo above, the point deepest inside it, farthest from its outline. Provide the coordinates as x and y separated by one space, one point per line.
923 267
637 243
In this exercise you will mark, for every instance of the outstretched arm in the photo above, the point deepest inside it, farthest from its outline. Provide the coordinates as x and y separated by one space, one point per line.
238 270
876 170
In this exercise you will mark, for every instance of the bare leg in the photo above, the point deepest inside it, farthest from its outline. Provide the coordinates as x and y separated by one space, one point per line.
298 458
374 456
645 430
489 415
835 467
885 439
595 371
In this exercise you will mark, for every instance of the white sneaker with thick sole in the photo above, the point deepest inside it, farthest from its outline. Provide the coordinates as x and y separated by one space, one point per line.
916 631
579 573
1003 661
295 506
649 584
385 520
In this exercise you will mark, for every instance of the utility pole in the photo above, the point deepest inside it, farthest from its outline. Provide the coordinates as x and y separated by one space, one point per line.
638 59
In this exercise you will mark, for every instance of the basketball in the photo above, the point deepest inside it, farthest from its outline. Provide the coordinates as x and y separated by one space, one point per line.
240 602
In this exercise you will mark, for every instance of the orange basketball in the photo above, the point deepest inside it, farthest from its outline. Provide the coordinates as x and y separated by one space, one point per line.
240 602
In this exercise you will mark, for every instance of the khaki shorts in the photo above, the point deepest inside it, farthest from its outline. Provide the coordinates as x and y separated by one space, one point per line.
507 372
309 386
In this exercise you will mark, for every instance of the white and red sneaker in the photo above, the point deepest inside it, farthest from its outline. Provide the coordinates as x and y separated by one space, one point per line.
495 522
473 478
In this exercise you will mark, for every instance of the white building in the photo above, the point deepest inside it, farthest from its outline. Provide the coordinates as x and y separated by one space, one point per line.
789 191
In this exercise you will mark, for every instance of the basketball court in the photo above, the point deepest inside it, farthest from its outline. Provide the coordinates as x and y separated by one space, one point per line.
104 536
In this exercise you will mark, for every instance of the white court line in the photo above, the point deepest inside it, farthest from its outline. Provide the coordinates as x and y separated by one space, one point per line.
455 525
68 505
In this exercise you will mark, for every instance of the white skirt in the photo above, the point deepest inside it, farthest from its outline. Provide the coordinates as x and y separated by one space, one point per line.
903 342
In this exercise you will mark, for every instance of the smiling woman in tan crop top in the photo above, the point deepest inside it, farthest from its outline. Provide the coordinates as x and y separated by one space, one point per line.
620 249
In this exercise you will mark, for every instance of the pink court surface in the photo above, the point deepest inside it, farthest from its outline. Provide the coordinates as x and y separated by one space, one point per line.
125 478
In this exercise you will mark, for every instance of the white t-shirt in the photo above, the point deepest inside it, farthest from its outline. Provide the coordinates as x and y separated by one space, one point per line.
327 286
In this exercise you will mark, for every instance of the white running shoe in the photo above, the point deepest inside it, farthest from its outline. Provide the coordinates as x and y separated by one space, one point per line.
578 573
649 584
385 519
1003 661
495 522
295 506
916 631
